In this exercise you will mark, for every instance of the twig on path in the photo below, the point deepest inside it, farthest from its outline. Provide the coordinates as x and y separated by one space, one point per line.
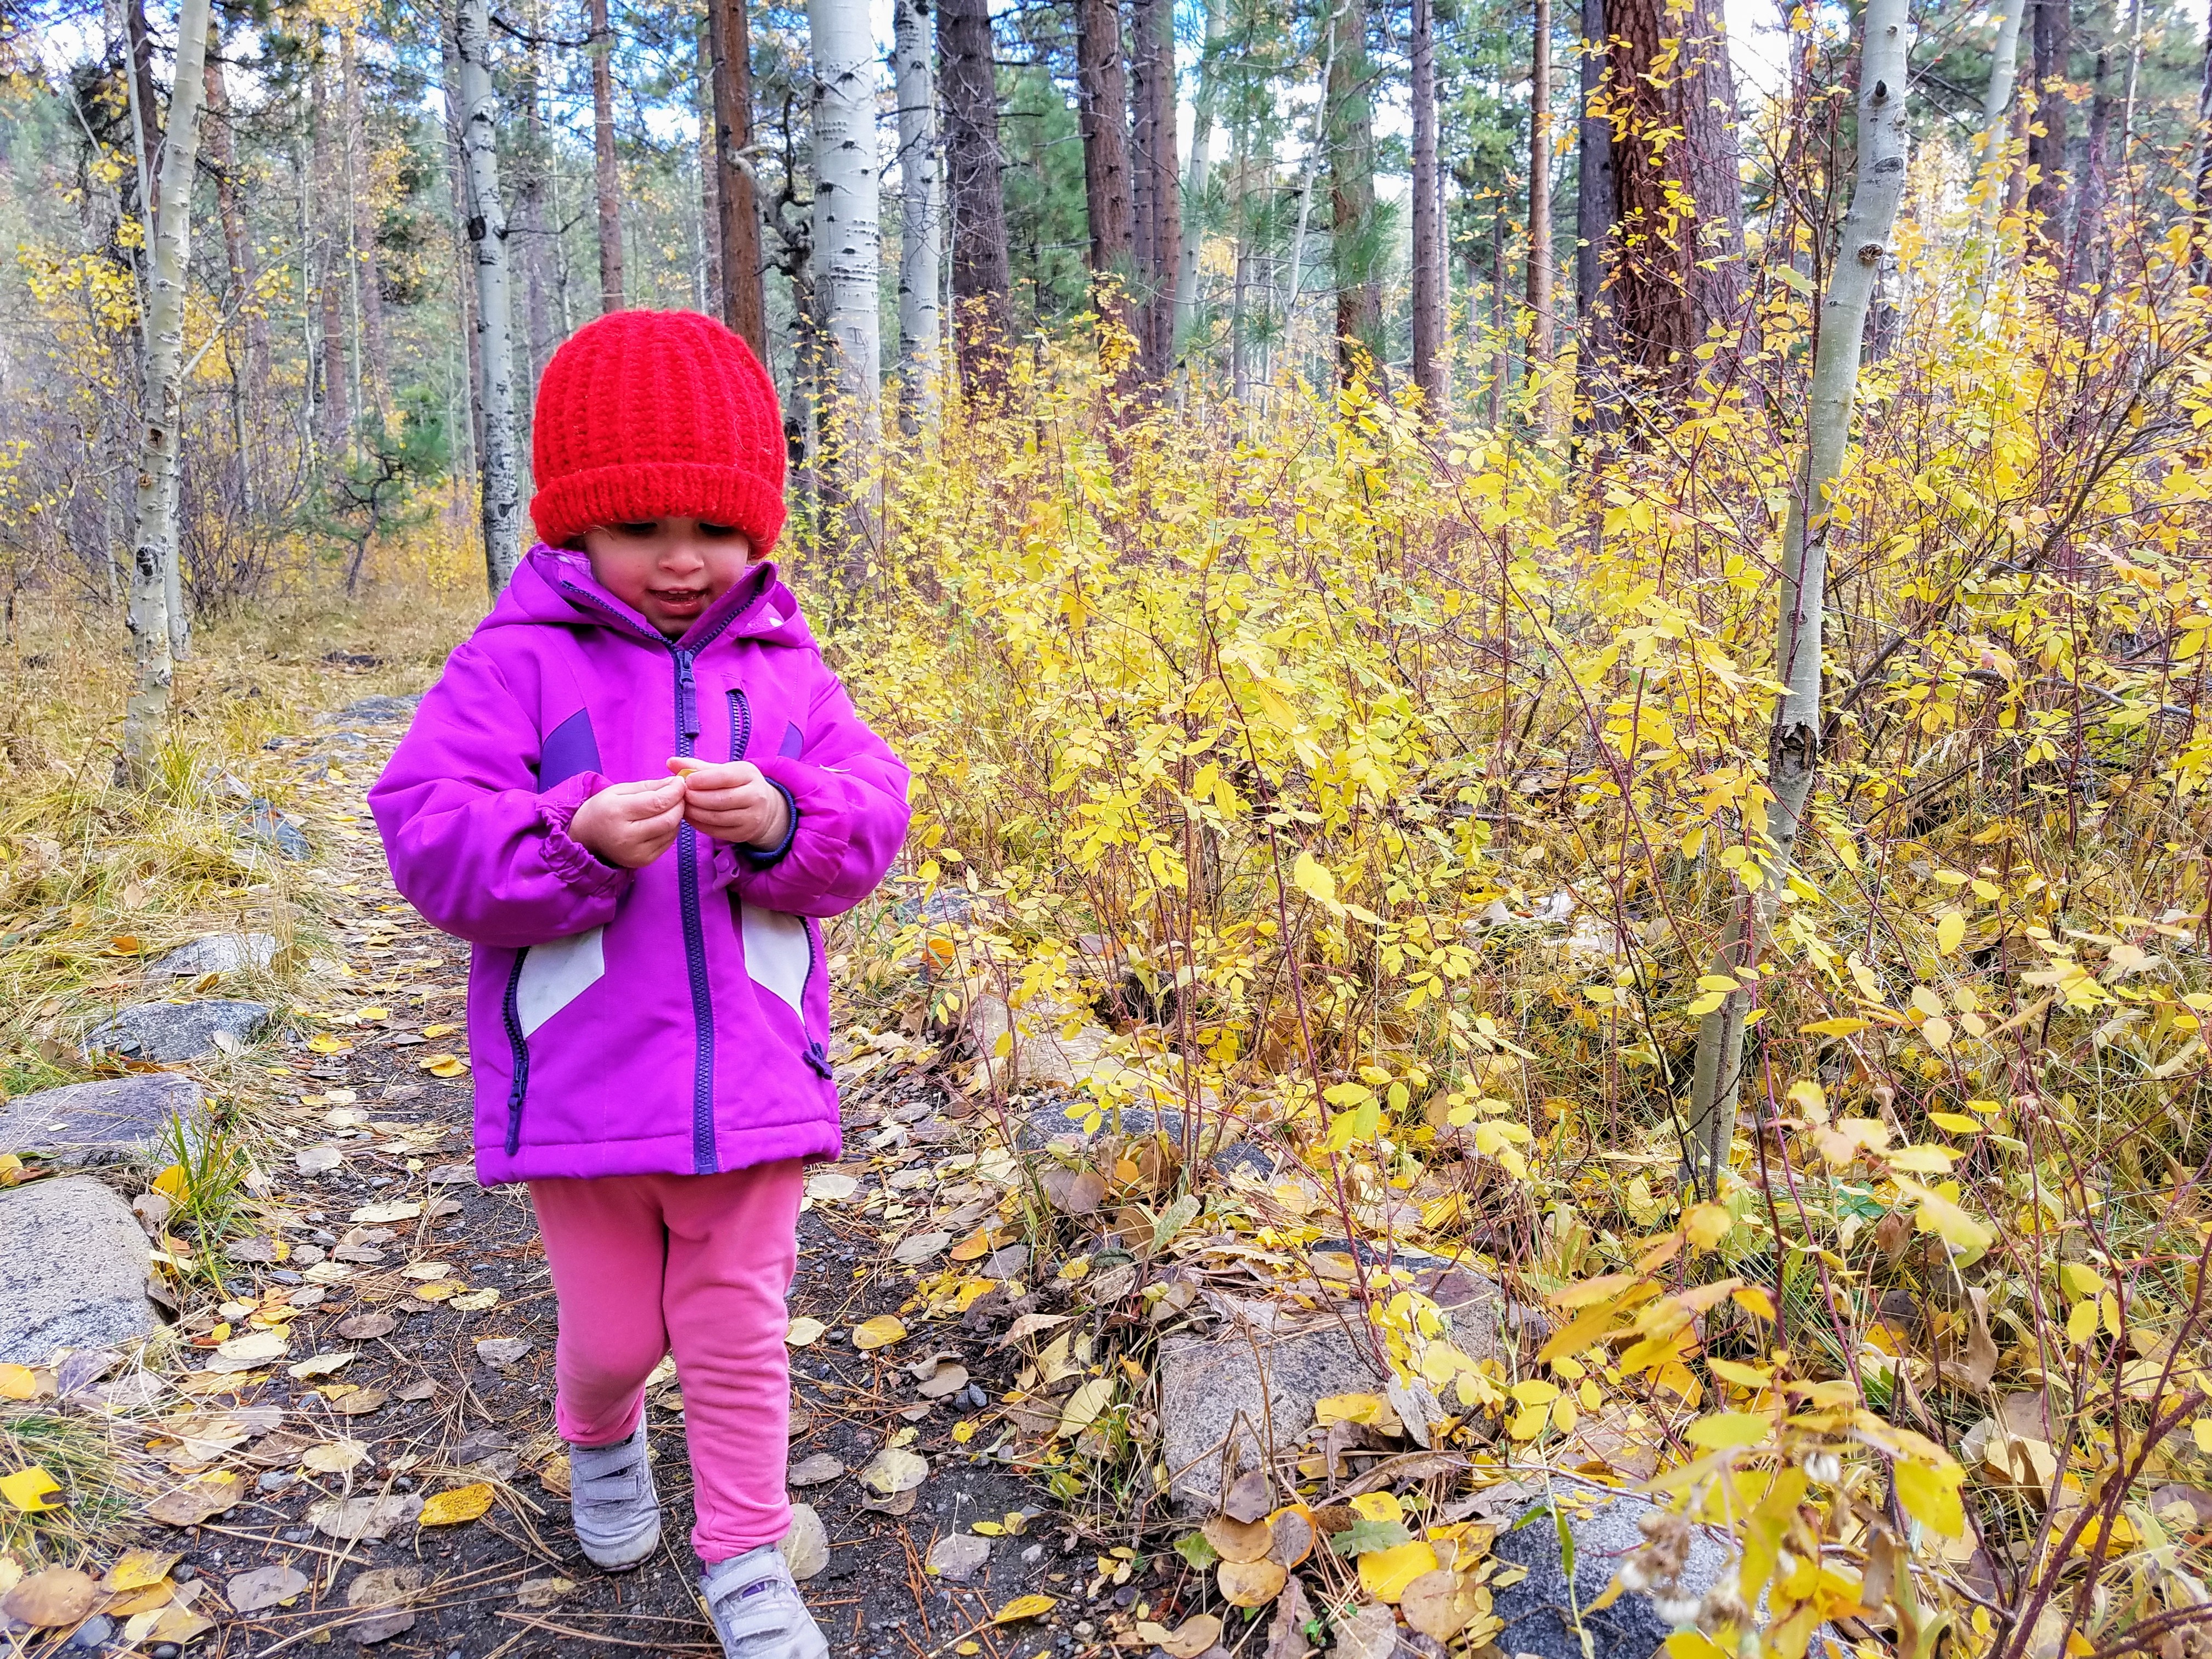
552 1629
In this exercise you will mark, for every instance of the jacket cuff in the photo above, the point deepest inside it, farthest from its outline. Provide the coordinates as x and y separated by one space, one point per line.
567 858
767 858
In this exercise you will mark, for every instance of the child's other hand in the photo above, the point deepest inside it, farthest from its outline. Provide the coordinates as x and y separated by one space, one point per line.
631 825
733 802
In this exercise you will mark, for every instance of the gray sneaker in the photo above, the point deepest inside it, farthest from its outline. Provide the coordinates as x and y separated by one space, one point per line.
610 1497
757 1610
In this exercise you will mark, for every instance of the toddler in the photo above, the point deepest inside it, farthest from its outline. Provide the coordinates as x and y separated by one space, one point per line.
633 790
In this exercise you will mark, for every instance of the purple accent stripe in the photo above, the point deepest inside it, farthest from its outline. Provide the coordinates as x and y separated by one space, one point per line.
570 748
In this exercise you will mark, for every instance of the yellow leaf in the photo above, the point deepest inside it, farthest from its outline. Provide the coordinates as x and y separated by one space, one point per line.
2200 1430
1351 1408
137 1570
804 1331
32 1489
171 1181
432 1032
1727 1430
1844 1027
1311 877
1705 1225
878 1333
445 1066
323 1043
1940 1216
375 1013
18 1383
1024 1606
1957 1122
1930 1495
963 1432
462 1504
1085 1405
1693 1644
1752 1299
1744 1376
2082 1323
987 1528
1377 1506
1950 930
1384 1574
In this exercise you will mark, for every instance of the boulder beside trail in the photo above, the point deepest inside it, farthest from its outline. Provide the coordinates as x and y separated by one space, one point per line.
163 1033
217 953
94 1122
73 1266
1535 1609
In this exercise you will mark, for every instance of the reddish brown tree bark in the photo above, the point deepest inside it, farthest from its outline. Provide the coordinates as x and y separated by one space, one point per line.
1101 96
1158 178
606 173
744 306
968 90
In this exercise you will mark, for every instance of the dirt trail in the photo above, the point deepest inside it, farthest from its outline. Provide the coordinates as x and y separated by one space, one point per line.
371 1132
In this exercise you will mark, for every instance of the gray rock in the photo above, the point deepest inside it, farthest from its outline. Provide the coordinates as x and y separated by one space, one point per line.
1247 1157
1226 1395
218 953
946 904
375 711
164 1032
1535 1609
92 1635
264 824
96 1122
73 1266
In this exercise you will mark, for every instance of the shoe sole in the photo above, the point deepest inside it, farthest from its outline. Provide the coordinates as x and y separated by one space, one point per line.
624 1553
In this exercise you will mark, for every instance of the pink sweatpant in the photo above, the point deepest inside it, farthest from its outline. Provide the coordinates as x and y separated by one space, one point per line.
701 1263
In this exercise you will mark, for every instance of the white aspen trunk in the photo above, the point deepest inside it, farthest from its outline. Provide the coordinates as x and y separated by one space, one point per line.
1306 176
848 252
1996 112
160 410
501 511
920 216
1201 164
1794 745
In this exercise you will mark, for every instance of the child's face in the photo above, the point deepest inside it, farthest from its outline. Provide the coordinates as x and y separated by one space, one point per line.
669 570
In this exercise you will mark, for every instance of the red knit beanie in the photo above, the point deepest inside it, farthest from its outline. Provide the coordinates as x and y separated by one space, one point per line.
657 414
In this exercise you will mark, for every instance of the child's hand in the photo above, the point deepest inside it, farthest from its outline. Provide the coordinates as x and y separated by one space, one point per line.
733 802
631 825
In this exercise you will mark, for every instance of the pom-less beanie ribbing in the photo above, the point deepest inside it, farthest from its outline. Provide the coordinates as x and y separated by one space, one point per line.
657 414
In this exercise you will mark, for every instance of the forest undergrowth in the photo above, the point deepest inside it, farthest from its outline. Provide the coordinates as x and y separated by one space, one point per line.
1388 792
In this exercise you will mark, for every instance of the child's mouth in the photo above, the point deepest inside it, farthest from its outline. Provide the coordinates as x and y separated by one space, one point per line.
685 598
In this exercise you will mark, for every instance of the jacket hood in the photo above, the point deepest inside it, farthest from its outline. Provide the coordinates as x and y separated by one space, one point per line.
554 588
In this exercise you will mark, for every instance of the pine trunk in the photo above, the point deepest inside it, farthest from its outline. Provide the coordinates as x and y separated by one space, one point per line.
368 279
1594 201
2085 261
607 175
1541 275
919 249
710 211
154 530
846 252
1355 248
1195 202
501 513
2046 135
1794 746
1153 166
337 407
976 205
237 243
1102 99
1678 197
1428 244
744 303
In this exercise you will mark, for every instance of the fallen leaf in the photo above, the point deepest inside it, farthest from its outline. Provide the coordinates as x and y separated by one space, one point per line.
918 1248
1082 1408
404 1209
1286 1630
196 1501
1292 1530
878 1333
1024 1606
893 1470
1251 1584
363 1517
359 1403
1248 1497
1384 1574
364 1327
59 1596
254 1345
831 1187
461 1504
321 1365
1187 1640
1438 1604
945 1380
816 1470
18 1383
1238 1541
334 1457
805 1547
265 1587
539 1593
502 1350
476 1301
1074 1192
439 1290
805 1332
138 1570
32 1489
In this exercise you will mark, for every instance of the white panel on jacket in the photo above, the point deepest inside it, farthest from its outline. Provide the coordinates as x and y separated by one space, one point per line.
555 974
778 954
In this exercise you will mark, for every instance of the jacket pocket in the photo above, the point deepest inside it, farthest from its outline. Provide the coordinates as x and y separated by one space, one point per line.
782 956
546 979
518 1043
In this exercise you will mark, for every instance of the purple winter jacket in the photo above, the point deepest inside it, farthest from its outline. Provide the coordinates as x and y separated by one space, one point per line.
669 1020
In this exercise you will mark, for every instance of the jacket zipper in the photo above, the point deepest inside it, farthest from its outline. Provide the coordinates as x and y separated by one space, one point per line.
518 1044
741 736
695 934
